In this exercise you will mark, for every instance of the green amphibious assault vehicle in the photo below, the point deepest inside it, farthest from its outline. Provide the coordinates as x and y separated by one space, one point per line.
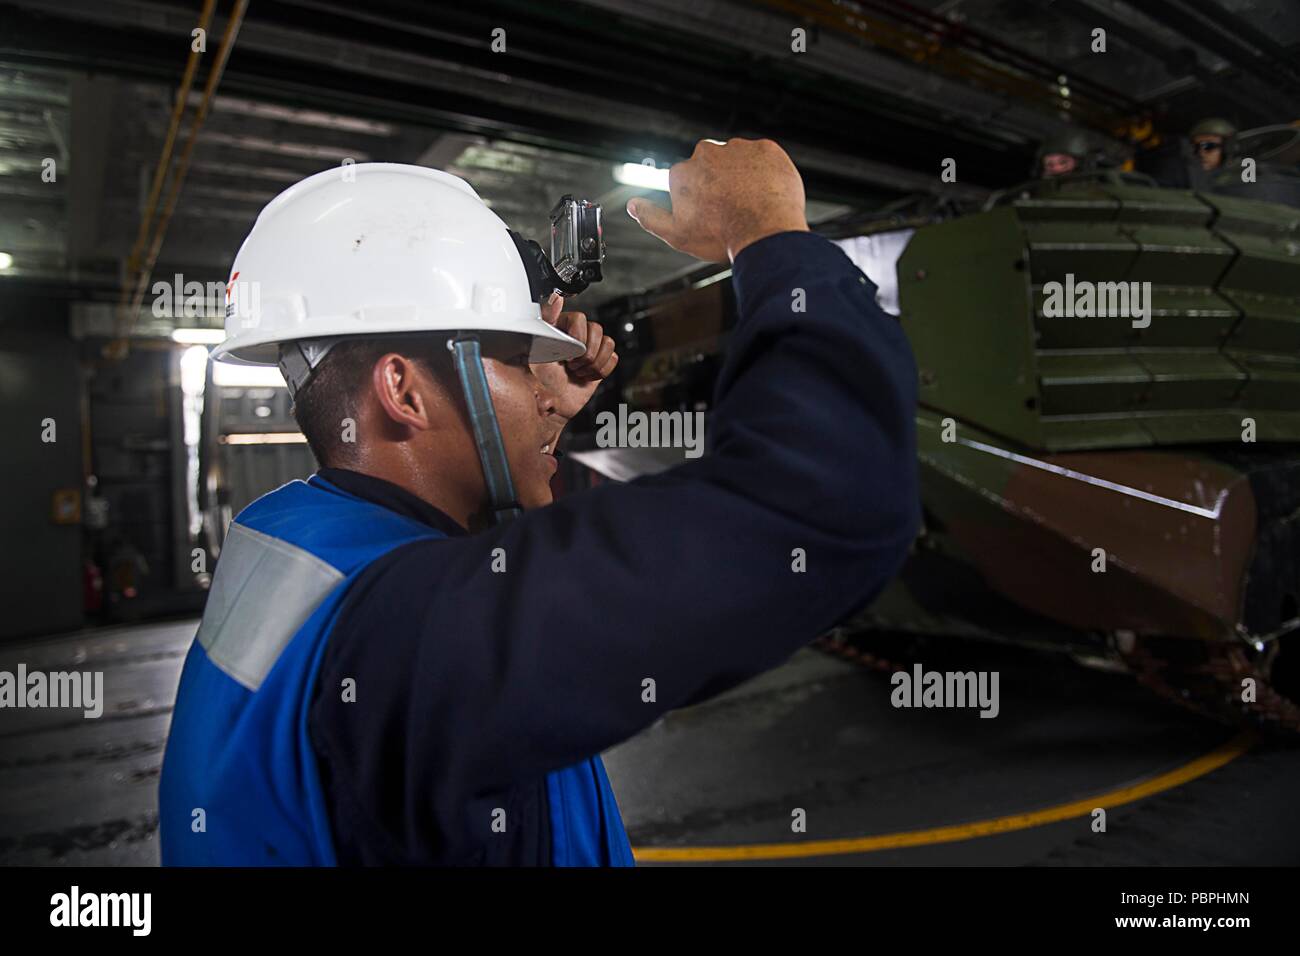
1118 480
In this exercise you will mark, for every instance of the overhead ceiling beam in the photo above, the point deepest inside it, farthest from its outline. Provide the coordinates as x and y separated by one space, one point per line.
752 102
1249 96
1221 32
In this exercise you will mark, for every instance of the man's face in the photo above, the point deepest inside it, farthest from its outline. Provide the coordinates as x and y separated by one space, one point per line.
1058 164
525 412
1209 150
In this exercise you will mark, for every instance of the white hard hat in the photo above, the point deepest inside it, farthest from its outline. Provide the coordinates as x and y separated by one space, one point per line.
376 248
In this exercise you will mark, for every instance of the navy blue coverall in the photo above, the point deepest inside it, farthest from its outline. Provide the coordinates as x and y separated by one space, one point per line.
473 685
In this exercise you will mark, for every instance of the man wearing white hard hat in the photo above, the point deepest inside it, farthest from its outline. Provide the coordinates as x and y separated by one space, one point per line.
415 656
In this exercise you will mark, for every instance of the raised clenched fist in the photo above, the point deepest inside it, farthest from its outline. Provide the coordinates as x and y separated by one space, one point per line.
725 197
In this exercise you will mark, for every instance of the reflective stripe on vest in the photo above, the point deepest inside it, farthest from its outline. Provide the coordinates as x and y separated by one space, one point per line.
263 595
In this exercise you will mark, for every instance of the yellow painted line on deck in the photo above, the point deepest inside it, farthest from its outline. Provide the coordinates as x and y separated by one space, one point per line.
961 831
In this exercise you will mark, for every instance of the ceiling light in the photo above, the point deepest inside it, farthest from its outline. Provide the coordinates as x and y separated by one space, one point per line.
638 174
199 336
6 260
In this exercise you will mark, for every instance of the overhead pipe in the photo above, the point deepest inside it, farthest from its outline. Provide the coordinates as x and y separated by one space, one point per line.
164 158
144 269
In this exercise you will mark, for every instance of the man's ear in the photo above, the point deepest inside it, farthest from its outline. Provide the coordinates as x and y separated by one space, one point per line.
399 385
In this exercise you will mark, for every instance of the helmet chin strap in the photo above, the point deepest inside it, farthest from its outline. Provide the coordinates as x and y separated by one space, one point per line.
298 360
487 432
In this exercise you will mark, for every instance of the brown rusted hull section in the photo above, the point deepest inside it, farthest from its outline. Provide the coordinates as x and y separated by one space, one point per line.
1167 570
1177 530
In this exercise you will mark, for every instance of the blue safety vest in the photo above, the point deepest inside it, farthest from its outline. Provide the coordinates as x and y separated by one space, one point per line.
240 785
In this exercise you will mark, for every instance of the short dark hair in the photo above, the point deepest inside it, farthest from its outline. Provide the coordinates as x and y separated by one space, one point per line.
334 390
